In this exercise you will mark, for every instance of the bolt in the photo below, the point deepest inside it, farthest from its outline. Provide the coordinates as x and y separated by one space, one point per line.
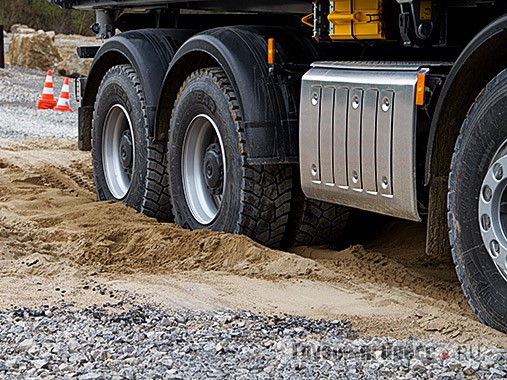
487 193
386 104
385 183
315 99
486 222
498 171
355 102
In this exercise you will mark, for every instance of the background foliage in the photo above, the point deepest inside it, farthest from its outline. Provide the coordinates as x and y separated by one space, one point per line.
40 14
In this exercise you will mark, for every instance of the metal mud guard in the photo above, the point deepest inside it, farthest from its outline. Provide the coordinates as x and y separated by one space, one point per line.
357 136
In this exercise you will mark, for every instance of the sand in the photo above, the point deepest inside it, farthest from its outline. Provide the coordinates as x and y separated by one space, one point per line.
57 244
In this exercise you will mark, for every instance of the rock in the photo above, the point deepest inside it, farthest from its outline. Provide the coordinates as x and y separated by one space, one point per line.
497 372
471 367
91 376
26 344
40 363
417 365
51 34
453 364
33 50
22 29
73 345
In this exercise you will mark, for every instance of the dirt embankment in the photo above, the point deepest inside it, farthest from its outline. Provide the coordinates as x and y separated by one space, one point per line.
57 243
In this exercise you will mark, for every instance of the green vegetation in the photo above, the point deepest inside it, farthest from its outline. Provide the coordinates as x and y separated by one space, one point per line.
40 14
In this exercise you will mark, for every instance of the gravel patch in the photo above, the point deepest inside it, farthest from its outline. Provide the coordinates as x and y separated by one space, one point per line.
143 342
19 117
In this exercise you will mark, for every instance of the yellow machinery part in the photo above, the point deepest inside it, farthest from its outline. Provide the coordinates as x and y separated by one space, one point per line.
356 20
425 13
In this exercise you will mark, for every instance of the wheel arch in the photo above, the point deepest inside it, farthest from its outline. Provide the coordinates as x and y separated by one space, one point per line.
483 58
149 51
270 120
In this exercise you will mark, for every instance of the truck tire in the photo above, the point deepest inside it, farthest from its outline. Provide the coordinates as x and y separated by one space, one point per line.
317 222
157 199
477 202
211 185
119 138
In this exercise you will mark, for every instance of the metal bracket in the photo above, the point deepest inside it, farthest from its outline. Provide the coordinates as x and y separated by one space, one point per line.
104 26
417 20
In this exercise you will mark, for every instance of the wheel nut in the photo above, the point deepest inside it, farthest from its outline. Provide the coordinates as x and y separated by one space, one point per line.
486 222
498 171
494 248
487 193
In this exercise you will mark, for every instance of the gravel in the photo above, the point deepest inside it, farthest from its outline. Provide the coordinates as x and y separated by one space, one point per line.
122 341
19 117
144 342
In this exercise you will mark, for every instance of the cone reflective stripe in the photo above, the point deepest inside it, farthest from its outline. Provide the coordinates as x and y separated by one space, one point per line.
63 101
47 100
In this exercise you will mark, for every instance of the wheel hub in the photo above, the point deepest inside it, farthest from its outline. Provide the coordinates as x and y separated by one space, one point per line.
493 213
213 169
203 166
126 151
118 155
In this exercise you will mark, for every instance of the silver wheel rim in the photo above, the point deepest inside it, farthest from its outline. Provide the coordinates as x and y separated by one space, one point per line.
203 190
118 154
493 210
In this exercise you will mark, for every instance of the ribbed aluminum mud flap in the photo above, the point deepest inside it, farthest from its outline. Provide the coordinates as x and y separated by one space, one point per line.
357 136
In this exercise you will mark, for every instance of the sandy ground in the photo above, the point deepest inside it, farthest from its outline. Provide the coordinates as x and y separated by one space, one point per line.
57 244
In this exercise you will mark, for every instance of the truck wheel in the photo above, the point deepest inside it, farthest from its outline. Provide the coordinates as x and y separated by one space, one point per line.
123 164
477 205
211 185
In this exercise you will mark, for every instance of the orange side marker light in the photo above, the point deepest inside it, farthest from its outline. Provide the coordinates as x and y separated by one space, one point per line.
271 51
419 95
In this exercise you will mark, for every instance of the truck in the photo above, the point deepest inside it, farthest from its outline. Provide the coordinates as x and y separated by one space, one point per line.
274 119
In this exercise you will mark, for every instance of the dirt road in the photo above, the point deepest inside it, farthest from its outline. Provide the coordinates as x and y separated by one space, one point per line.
57 244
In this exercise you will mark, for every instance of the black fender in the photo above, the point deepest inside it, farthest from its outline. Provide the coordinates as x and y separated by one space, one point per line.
149 51
482 59
269 102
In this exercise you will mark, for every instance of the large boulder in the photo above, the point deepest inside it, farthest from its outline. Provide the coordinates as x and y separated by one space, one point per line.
34 50
73 66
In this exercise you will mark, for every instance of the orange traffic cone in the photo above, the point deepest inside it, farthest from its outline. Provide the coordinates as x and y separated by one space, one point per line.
47 100
63 101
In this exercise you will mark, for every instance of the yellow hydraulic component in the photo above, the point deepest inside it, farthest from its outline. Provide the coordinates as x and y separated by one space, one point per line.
356 20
